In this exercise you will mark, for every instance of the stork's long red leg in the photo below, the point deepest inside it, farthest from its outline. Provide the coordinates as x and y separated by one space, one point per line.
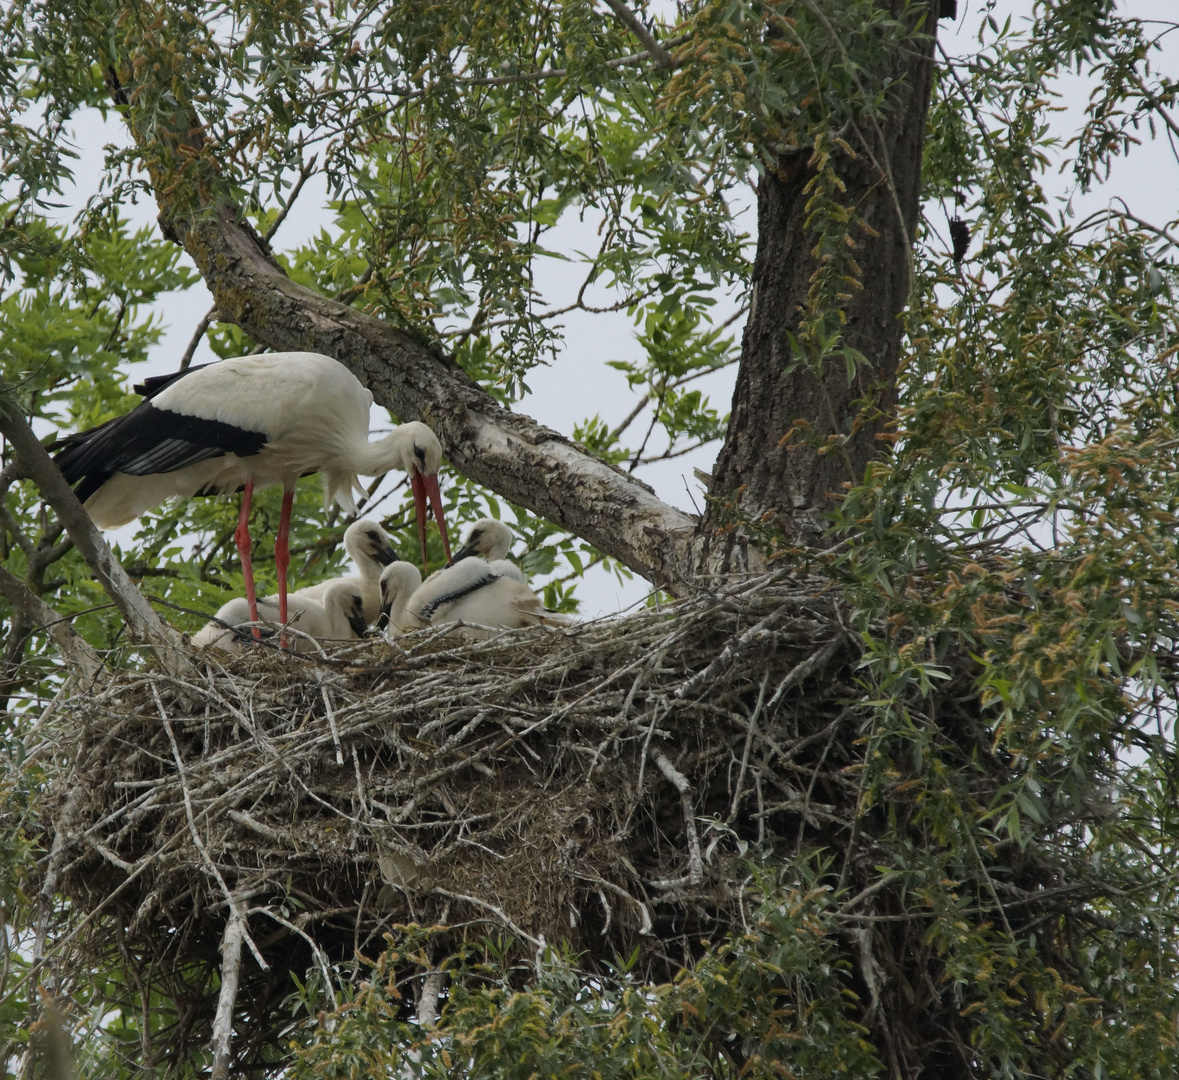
241 536
282 555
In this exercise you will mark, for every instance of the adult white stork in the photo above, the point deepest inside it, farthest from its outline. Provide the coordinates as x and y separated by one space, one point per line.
251 420
369 546
339 616
473 590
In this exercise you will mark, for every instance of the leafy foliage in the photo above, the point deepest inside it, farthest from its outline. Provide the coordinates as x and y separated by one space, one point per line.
732 1011
1026 514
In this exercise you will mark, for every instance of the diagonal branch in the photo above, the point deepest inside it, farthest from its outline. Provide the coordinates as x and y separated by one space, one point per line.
631 21
198 335
507 452
75 650
231 957
144 626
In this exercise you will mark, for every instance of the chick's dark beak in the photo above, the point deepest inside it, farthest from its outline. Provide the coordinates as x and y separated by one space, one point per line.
385 554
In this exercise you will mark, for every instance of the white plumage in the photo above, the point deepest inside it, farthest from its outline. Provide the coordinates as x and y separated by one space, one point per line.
369 546
490 540
489 594
399 581
487 539
338 616
246 422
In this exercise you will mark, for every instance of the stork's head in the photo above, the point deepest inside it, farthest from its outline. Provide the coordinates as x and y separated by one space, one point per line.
422 454
366 541
398 582
345 599
487 539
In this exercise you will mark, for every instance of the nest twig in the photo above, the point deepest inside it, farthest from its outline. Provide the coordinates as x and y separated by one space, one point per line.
574 787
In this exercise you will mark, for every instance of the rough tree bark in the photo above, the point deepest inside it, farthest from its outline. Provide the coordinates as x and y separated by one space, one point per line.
768 469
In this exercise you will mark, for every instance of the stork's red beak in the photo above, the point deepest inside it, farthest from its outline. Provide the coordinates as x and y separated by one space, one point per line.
423 486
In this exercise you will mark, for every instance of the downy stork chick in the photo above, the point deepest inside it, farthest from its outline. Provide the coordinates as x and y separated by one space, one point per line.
339 616
491 540
399 581
488 595
487 539
369 546
251 420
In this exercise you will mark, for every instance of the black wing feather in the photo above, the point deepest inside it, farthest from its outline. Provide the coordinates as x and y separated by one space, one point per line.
145 441
153 384
427 611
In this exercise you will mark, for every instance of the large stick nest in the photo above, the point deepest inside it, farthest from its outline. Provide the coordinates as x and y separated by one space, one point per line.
589 787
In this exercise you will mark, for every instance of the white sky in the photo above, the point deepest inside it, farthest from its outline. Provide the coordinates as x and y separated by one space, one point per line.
579 384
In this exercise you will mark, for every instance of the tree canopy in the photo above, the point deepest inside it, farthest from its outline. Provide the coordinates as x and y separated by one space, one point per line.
955 410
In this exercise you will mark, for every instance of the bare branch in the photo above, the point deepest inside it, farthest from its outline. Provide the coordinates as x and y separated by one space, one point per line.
305 171
346 296
680 782
231 959
143 624
629 419
498 912
197 336
432 985
663 59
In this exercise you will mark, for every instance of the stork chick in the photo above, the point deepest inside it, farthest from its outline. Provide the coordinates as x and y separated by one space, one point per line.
399 581
339 616
369 546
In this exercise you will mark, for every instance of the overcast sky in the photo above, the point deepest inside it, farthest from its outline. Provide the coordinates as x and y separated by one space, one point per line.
579 384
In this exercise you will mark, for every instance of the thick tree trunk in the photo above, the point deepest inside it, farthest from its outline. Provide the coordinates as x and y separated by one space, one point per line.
771 469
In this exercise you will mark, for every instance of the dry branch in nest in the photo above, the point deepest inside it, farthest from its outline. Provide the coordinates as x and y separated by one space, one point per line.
590 787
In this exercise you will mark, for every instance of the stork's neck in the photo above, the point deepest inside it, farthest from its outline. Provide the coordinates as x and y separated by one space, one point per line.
393 451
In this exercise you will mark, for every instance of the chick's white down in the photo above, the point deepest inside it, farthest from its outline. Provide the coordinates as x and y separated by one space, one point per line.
371 551
399 581
481 589
338 616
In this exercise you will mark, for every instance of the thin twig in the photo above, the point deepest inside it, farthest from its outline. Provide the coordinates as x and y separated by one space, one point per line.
305 170
536 942
198 335
761 696
695 859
